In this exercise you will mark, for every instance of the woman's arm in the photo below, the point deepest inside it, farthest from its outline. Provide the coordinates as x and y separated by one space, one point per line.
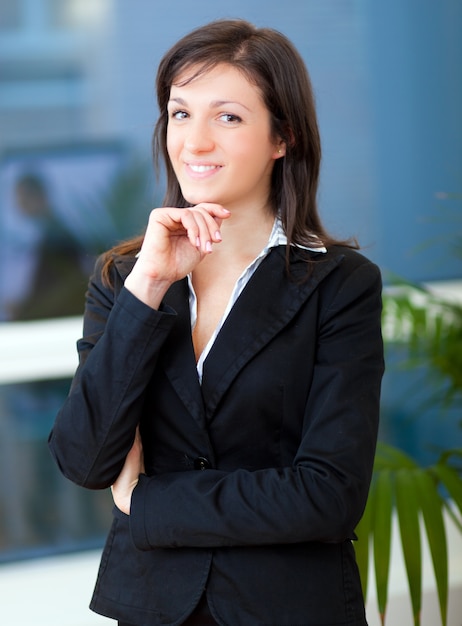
95 428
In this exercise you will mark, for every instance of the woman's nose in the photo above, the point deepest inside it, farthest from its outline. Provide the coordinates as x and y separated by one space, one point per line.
198 138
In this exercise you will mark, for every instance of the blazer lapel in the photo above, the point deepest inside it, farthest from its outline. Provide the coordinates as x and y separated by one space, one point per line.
178 355
267 304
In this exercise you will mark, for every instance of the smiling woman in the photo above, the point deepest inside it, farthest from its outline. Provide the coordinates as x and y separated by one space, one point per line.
229 376
219 140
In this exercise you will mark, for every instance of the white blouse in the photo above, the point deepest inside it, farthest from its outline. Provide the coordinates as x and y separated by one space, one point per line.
277 238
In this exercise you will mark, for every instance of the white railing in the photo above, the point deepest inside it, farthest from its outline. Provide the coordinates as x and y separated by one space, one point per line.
45 349
39 350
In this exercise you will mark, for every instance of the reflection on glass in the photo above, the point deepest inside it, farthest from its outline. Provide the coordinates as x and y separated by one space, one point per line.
54 220
40 511
78 13
47 276
413 415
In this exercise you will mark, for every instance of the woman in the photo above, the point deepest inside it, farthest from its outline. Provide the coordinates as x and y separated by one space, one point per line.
229 377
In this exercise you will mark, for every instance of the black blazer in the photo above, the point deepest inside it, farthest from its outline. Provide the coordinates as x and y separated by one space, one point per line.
284 426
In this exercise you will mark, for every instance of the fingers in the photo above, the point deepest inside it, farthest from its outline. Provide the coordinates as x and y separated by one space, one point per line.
128 478
201 228
201 223
175 241
214 215
138 445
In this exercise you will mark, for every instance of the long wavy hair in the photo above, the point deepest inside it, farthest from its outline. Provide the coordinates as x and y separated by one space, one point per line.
271 62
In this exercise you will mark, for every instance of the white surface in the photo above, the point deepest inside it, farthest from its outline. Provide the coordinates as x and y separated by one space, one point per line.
39 350
50 592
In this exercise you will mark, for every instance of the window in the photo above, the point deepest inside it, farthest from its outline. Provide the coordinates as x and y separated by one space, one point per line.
75 14
10 15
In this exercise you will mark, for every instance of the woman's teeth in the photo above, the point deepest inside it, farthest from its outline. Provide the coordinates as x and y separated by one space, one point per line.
202 168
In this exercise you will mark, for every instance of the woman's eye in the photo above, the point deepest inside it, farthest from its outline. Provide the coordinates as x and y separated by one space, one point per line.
230 118
178 115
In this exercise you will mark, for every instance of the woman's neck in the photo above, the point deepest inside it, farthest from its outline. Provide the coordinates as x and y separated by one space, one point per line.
245 233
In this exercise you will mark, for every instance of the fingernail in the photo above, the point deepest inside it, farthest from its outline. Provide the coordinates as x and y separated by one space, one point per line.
198 242
218 235
208 246
226 210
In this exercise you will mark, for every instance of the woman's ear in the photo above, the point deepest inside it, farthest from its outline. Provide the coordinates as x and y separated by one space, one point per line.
280 150
282 144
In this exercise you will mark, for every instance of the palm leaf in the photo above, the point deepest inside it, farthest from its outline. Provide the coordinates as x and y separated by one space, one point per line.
430 328
431 506
407 506
382 516
363 532
451 479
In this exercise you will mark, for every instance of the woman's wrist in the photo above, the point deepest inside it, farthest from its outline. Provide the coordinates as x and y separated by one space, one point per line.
148 290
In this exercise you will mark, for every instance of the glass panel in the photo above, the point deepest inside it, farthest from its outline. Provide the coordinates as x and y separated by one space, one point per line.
10 14
414 415
40 511
54 220
74 14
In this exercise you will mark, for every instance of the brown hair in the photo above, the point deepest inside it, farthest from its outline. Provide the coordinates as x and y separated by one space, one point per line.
272 63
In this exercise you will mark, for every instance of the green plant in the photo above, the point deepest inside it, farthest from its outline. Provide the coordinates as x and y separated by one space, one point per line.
430 328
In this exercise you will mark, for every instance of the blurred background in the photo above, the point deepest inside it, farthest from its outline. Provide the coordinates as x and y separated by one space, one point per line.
77 110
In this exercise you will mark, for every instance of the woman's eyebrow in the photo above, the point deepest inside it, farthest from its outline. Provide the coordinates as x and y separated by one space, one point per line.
178 101
215 104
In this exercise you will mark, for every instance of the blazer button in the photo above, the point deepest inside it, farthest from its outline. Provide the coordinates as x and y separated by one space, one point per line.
201 463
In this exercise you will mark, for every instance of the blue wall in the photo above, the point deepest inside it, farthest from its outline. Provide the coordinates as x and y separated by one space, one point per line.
415 79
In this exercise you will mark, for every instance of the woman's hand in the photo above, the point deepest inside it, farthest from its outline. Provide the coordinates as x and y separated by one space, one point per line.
123 487
176 240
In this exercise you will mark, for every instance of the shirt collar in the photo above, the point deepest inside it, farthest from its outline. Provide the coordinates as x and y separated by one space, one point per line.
279 238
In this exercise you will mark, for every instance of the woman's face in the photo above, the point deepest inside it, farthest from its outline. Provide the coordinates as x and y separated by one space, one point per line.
219 139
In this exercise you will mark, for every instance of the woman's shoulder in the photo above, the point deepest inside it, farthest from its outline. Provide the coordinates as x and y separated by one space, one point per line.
354 272
350 258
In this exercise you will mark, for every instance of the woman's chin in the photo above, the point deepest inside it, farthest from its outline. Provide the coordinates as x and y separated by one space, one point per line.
196 196
195 199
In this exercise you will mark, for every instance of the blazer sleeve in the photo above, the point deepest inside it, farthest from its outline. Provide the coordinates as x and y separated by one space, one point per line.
321 497
95 428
